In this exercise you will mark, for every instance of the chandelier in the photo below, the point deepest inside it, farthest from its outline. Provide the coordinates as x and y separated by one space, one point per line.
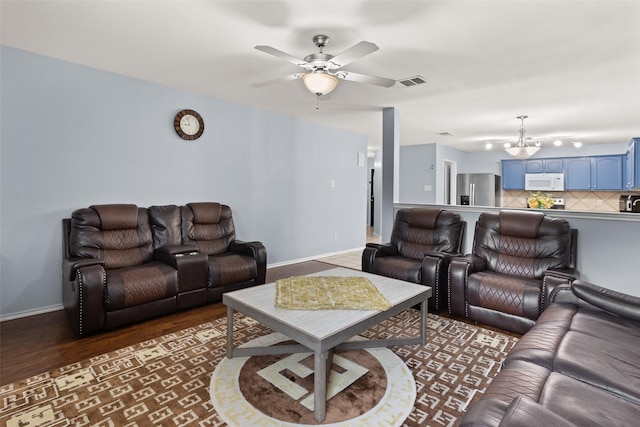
522 150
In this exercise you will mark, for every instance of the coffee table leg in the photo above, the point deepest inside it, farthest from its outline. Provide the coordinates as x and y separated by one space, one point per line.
229 332
322 367
423 321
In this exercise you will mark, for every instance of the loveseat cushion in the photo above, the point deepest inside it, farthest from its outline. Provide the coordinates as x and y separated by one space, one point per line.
131 286
231 268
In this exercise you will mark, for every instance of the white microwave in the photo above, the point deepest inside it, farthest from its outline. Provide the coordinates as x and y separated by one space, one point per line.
544 181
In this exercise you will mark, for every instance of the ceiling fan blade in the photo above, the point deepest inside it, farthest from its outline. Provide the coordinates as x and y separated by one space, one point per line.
372 80
278 80
354 52
280 54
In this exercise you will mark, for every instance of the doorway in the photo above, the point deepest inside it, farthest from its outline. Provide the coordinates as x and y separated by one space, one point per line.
450 169
371 199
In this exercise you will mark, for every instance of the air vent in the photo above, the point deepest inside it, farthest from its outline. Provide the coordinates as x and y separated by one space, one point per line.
413 81
445 134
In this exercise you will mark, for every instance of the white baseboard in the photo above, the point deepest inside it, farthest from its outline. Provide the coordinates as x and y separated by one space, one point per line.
314 258
33 312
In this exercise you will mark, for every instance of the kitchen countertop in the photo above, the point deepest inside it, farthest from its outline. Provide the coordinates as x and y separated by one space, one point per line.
560 213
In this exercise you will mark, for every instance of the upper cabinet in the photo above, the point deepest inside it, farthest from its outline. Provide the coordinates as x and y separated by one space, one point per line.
595 173
606 172
513 174
577 173
632 166
554 165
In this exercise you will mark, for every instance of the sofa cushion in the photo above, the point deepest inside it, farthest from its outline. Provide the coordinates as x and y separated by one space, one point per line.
585 405
601 363
605 326
523 410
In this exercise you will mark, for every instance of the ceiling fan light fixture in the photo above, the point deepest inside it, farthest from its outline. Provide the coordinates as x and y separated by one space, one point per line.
319 82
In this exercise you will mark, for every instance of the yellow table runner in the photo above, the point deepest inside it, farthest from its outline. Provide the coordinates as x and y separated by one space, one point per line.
329 293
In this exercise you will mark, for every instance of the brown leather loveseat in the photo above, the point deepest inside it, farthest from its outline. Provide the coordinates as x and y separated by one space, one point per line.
123 263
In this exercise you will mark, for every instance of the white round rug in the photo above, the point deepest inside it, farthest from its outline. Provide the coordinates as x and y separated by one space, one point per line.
289 379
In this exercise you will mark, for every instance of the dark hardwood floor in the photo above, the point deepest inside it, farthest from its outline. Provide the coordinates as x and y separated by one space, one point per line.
37 344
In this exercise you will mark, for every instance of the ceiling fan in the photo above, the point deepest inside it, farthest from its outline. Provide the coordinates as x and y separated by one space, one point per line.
323 72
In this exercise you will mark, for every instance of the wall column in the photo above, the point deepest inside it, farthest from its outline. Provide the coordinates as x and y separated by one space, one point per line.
390 170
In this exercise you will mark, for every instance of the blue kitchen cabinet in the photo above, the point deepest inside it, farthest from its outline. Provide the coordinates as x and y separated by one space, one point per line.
577 173
551 165
513 174
593 173
632 166
606 173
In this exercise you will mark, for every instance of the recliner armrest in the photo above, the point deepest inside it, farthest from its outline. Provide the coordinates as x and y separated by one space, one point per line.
374 250
475 262
71 265
459 269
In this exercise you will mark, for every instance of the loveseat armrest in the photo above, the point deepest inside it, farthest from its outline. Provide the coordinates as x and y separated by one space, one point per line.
255 250
251 249
587 294
459 270
83 298
71 265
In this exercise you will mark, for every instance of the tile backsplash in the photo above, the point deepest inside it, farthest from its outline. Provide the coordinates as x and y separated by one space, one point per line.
597 201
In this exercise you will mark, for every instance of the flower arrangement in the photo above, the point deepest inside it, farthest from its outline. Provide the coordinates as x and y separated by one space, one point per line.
538 201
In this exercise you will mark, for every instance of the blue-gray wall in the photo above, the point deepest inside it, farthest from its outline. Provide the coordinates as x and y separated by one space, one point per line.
73 136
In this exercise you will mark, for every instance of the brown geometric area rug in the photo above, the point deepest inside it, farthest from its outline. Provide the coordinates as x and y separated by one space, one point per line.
166 381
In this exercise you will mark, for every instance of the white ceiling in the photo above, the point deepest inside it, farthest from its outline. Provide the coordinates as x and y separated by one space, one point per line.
572 66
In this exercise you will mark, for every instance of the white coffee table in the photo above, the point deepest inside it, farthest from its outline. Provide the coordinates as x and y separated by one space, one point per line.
323 331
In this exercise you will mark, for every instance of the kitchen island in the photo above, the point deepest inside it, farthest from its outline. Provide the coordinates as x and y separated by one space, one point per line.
608 242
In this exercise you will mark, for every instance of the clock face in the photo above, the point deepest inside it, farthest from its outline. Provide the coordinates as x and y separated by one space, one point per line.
188 125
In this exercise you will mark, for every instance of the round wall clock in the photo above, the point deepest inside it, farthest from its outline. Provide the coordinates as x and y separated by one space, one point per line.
189 124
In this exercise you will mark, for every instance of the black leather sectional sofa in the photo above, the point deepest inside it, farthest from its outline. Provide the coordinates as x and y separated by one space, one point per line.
579 366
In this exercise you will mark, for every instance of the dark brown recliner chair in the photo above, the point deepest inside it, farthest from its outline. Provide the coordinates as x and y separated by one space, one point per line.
110 276
423 240
514 254
233 264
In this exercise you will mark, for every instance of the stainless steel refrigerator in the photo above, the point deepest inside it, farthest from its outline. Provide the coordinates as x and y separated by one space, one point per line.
479 189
